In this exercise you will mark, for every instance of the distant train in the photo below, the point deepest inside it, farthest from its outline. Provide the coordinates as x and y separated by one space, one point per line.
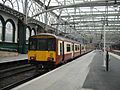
51 50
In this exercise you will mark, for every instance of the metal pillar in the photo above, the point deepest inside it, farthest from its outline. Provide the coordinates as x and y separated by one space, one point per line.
104 55
21 37
105 22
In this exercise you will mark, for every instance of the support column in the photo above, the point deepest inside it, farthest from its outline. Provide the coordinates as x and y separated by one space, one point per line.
104 55
21 37
3 33
105 23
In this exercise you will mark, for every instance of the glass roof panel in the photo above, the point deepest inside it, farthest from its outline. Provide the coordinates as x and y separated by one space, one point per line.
81 15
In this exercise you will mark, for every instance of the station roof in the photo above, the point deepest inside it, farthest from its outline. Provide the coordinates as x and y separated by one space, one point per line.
80 19
89 17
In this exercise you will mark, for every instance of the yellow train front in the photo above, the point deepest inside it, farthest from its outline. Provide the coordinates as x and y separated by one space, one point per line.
42 50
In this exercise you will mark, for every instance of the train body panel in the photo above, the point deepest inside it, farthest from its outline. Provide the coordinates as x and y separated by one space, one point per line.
76 54
68 52
60 51
77 50
42 55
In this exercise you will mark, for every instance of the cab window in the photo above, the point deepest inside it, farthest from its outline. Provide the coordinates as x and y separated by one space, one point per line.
42 44
51 44
68 47
32 43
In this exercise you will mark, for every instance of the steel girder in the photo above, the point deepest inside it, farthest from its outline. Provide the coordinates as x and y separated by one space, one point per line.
11 11
85 4
90 15
90 22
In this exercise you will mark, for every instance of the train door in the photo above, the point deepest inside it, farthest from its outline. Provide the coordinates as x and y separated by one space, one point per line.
72 46
80 49
62 50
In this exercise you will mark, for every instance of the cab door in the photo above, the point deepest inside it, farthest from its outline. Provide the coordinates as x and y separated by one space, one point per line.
72 49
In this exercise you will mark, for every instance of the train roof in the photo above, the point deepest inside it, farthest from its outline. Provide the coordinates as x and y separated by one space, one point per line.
57 37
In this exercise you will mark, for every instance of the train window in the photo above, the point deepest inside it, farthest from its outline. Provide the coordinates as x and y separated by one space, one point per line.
46 44
68 47
51 44
42 44
32 43
75 47
78 47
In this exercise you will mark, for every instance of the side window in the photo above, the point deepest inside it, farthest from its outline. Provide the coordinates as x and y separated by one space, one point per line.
68 47
77 47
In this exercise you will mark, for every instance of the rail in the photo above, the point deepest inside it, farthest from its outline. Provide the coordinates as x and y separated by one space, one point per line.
15 75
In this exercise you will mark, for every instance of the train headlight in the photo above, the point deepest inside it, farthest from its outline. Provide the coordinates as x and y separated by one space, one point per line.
32 58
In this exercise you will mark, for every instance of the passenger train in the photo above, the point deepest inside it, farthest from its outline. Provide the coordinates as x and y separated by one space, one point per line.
51 50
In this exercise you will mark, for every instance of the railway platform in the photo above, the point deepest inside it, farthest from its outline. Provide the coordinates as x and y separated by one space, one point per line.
13 58
84 73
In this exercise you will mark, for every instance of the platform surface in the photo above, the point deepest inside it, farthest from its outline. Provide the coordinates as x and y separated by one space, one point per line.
99 79
84 73
67 77
13 58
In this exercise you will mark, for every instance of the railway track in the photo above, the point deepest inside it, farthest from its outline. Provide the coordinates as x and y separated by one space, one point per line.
14 76
6 65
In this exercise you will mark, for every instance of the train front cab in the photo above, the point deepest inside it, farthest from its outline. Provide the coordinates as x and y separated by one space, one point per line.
42 50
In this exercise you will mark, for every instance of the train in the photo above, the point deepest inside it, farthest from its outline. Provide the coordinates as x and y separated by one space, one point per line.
48 50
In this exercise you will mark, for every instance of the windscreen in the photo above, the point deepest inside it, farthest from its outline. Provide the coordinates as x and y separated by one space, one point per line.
51 44
43 44
32 43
